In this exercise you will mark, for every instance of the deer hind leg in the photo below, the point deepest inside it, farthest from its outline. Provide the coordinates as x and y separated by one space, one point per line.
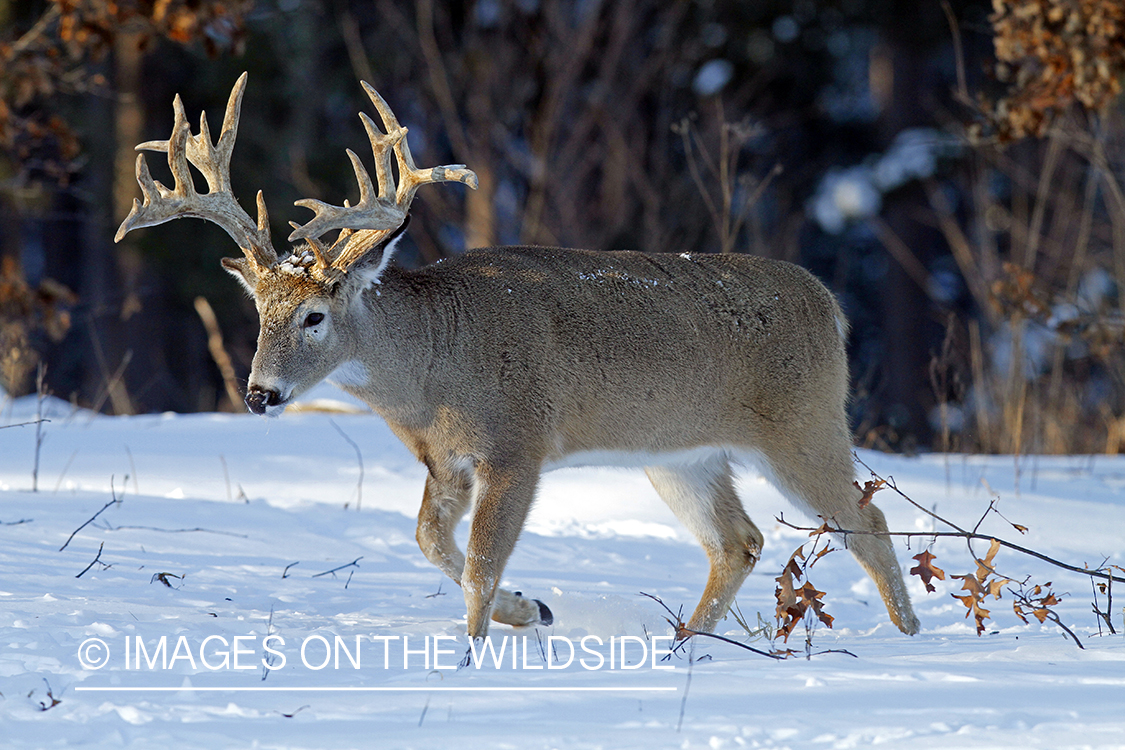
702 496
821 481
444 504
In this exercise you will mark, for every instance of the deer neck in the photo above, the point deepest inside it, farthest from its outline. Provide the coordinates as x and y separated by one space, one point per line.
390 350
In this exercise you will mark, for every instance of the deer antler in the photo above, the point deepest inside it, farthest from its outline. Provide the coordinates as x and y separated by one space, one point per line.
375 217
218 205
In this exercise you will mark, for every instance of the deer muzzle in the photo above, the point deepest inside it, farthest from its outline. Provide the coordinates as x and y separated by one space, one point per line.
258 400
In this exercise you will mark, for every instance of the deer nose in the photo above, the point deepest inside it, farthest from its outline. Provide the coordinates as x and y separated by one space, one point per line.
257 399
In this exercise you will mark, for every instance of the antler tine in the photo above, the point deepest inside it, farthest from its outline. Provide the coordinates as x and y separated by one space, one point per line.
410 178
375 216
378 212
218 205
371 212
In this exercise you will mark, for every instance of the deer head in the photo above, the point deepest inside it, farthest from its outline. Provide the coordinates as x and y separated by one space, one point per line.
300 298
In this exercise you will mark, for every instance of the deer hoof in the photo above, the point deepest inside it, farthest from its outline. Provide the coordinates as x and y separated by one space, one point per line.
545 616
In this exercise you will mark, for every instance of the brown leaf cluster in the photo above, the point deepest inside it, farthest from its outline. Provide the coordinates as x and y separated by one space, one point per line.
794 602
1016 293
1053 54
1037 602
1019 293
54 54
26 312
981 585
92 26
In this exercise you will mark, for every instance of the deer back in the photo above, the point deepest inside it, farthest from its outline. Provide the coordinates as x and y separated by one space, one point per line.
570 350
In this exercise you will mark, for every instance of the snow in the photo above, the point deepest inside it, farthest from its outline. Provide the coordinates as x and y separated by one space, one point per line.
241 514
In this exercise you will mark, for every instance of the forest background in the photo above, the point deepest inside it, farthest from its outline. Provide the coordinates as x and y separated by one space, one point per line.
951 170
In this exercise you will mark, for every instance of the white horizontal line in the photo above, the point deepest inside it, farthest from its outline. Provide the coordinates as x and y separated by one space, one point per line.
310 689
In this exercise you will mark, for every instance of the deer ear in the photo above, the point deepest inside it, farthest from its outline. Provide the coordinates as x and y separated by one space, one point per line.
241 269
370 268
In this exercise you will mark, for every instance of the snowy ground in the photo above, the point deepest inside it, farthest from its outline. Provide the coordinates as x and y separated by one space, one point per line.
241 514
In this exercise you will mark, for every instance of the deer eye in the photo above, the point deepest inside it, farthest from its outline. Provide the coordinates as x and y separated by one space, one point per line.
314 319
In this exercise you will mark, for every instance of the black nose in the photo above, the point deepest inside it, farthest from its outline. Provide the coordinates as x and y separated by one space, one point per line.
257 400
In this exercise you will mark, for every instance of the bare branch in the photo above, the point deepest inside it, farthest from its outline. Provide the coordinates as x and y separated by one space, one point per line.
958 532
97 559
341 567
359 458
24 424
683 632
90 520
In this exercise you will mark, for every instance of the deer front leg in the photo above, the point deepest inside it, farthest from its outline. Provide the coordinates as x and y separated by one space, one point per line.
503 498
444 503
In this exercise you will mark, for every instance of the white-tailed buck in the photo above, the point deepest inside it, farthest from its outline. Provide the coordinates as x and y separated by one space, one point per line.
506 362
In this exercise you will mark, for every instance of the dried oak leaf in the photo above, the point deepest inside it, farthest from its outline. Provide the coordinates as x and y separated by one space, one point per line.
785 594
793 603
824 528
979 587
869 489
812 598
985 568
926 570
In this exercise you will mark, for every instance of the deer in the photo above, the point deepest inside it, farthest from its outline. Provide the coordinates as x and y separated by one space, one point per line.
503 363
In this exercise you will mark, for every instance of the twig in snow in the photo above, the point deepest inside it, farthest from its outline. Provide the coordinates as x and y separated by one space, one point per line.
687 686
96 560
179 531
218 351
163 578
1027 603
133 469
267 662
91 519
683 633
38 424
359 457
50 696
65 467
294 713
23 424
334 570
1107 589
110 388
226 475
